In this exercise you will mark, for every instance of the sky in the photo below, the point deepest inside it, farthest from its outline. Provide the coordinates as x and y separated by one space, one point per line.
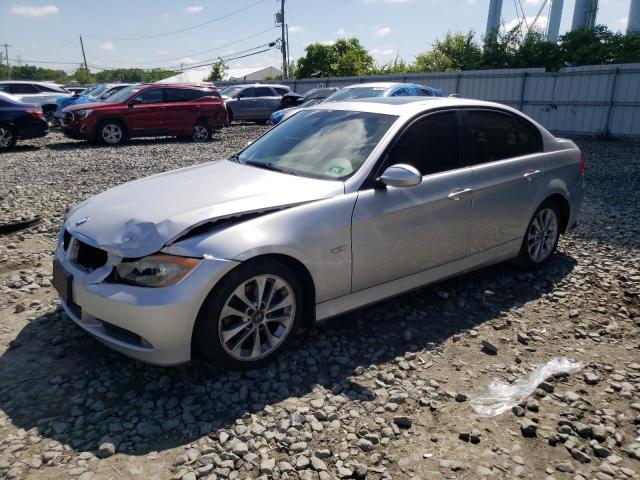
48 30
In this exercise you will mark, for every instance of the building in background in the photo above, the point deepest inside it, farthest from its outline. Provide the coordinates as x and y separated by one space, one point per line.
197 75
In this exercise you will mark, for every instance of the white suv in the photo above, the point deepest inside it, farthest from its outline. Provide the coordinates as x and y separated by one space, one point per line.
44 94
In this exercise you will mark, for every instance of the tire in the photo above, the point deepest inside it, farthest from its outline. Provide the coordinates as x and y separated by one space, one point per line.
230 116
201 132
111 132
536 250
226 325
8 138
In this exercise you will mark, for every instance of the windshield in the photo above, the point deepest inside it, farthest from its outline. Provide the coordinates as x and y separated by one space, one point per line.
358 92
98 90
123 94
331 144
311 101
230 91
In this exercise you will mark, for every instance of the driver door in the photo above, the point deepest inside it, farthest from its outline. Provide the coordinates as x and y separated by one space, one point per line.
399 231
145 115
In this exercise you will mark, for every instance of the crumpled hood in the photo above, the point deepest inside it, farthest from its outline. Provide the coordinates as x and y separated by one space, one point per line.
140 217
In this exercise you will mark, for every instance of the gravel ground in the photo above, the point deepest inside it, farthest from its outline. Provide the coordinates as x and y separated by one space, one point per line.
380 393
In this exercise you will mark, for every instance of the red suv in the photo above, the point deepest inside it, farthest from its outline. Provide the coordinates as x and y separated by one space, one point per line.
148 110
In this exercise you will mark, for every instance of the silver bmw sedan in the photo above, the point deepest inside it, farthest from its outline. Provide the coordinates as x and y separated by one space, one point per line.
339 206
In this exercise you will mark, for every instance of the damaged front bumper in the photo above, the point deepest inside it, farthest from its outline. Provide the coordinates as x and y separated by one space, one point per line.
154 325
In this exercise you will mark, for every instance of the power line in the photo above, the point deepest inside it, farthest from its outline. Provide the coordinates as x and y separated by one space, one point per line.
157 35
226 45
61 46
229 59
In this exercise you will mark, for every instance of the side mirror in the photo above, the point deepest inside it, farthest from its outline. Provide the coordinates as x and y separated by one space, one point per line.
135 101
400 175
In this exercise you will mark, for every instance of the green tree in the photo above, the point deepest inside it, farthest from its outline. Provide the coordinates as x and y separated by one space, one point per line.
628 48
534 51
500 49
456 52
218 71
344 58
82 76
395 66
590 46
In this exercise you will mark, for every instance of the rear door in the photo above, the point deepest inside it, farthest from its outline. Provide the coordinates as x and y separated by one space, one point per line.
507 174
179 114
269 102
148 116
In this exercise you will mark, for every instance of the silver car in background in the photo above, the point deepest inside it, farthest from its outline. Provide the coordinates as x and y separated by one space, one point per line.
342 205
253 102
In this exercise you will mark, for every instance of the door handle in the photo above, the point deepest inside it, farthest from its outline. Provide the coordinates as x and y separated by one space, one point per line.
458 193
531 174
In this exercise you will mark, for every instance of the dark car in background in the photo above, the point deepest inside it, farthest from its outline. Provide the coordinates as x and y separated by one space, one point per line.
148 110
19 121
255 102
291 103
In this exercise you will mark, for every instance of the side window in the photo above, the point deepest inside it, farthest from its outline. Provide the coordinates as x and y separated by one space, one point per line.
494 135
529 140
178 95
153 95
281 91
23 88
5 87
44 88
264 92
431 144
248 93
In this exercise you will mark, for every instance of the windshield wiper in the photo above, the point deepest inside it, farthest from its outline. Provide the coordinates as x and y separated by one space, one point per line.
269 166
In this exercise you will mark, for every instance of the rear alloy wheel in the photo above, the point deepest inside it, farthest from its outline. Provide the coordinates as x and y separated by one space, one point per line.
541 238
200 133
8 138
111 133
250 316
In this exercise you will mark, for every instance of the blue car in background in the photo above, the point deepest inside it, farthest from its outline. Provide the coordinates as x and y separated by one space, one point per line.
97 93
365 90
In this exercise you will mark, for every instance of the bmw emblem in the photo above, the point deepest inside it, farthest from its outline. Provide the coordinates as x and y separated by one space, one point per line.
81 221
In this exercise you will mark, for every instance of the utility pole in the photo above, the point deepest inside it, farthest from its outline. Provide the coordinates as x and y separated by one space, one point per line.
6 56
285 65
288 59
86 67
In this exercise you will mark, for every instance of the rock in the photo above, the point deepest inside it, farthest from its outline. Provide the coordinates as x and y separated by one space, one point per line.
403 421
523 338
580 456
106 449
317 464
302 462
189 476
364 445
267 466
240 448
450 464
488 347
528 427
460 397
566 467
591 378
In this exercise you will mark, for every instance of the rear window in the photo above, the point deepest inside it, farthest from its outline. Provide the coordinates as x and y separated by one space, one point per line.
529 140
52 88
281 90
494 135
186 94
23 88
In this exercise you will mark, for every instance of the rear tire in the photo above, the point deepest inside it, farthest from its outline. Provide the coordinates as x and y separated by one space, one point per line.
8 138
111 132
541 238
230 116
201 132
250 316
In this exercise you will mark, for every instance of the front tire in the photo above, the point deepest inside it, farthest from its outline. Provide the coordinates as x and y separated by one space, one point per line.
250 316
541 238
8 138
111 132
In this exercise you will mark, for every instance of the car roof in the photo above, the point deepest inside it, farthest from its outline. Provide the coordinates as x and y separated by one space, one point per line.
375 85
406 106
33 82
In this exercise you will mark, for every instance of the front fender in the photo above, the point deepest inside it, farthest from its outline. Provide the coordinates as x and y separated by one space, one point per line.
318 234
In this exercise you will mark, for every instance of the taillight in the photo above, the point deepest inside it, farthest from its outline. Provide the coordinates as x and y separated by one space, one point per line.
35 112
582 165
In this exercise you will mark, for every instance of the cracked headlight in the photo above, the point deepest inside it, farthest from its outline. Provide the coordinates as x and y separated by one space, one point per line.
155 270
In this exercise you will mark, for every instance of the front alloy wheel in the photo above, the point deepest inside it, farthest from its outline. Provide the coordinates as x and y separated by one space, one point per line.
257 317
250 316
111 134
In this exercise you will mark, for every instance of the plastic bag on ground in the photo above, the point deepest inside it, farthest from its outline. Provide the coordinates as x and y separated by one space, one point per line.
501 397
